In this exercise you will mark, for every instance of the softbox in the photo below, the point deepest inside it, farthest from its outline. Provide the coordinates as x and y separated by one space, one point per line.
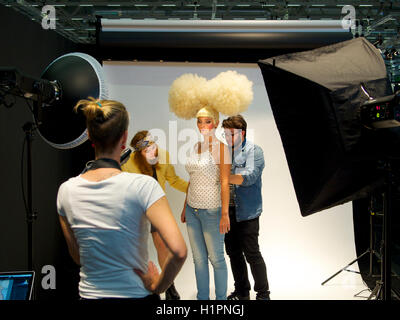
315 98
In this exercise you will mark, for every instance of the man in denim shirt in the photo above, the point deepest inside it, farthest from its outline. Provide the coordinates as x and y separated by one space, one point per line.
245 208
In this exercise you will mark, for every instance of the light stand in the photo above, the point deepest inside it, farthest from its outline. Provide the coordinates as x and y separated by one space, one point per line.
369 251
377 291
63 83
31 215
383 287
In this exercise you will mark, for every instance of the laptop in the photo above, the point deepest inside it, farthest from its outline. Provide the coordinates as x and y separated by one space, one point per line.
16 285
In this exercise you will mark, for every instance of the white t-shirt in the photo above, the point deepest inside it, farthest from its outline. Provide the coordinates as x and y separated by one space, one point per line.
109 223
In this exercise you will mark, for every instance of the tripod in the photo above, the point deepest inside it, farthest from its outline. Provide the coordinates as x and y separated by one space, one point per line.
383 287
369 251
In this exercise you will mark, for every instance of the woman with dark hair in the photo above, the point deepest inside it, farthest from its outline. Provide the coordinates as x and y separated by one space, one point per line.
151 160
105 213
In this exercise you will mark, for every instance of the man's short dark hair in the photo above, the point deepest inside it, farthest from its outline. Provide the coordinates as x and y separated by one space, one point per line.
235 122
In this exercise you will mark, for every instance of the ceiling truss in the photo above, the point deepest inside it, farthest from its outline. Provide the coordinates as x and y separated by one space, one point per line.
76 19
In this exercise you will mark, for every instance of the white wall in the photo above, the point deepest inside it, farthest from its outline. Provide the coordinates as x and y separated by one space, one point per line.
299 252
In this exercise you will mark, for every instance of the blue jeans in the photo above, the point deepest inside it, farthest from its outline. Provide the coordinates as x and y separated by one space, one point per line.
207 243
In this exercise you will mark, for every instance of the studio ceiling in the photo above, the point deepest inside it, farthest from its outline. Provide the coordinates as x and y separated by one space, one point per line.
76 19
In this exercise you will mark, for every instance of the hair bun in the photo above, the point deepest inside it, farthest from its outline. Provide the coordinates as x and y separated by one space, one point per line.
91 109
187 95
230 92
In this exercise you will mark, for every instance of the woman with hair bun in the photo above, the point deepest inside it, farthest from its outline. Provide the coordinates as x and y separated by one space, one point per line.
105 213
148 158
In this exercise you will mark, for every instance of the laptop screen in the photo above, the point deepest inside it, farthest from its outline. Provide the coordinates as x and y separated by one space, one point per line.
16 285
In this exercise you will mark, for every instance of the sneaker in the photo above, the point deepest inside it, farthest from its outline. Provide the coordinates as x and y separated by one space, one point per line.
263 296
172 294
236 296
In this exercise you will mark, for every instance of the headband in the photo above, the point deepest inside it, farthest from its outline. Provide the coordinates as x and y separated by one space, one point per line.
144 143
208 112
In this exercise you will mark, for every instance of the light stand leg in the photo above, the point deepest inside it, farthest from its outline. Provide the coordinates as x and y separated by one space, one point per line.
345 268
377 291
370 250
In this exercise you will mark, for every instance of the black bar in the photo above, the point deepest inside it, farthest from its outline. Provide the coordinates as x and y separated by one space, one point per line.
29 128
225 40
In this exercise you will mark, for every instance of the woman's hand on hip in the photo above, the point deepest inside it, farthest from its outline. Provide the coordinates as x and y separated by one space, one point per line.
150 278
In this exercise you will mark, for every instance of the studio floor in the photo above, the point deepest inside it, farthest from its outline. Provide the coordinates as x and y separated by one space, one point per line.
344 286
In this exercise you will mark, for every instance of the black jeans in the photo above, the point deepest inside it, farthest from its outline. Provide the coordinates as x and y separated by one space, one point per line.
242 242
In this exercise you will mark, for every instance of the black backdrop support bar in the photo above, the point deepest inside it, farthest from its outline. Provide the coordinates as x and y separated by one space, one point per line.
225 40
205 47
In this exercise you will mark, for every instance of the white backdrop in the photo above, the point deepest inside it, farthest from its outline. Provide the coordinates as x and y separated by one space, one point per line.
299 252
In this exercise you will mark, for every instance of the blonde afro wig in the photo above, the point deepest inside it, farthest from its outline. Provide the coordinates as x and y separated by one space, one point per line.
187 95
229 93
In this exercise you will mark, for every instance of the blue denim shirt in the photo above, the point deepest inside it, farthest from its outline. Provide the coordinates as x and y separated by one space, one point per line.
248 162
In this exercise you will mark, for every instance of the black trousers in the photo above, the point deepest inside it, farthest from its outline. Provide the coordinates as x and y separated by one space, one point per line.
241 244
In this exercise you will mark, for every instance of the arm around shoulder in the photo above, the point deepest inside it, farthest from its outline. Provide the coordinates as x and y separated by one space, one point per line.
174 180
254 166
